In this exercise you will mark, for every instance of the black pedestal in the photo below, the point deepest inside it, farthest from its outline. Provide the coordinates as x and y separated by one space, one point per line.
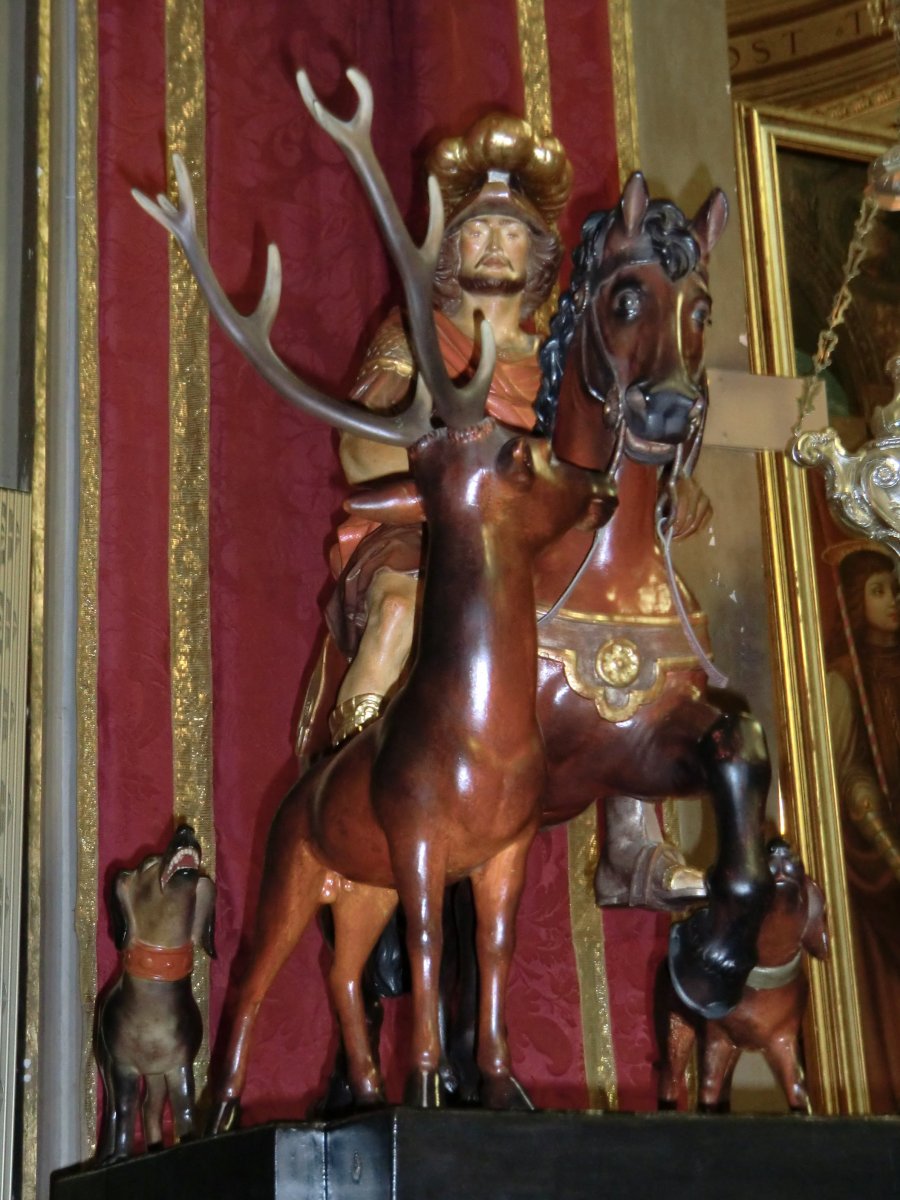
401 1154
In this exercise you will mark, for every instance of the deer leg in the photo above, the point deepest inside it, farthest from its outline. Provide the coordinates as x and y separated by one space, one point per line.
152 1110
421 878
293 887
783 1057
360 915
713 951
497 888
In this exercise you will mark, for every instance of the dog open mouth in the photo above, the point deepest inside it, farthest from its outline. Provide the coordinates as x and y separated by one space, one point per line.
185 858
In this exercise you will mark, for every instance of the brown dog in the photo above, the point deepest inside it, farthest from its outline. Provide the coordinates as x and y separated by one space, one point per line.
148 1023
769 1014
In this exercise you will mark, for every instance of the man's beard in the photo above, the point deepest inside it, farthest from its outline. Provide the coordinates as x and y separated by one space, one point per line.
492 285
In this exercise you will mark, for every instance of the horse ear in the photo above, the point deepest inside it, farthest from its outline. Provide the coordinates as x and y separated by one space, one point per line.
710 220
633 205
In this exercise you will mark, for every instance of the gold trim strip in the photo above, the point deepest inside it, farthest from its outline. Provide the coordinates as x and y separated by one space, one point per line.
589 945
535 65
586 919
189 467
697 619
31 1064
621 36
88 545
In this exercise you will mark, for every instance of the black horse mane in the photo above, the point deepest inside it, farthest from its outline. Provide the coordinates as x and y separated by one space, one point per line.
672 243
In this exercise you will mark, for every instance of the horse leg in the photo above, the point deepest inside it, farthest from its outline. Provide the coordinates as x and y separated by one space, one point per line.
459 994
360 915
497 888
713 951
783 1057
421 878
293 887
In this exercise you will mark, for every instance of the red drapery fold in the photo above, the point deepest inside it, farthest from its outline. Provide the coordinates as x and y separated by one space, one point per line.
275 485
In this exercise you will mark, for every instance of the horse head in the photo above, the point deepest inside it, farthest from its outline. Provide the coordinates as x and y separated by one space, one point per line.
623 366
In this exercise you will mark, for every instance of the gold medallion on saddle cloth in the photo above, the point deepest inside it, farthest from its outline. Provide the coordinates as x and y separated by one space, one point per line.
620 662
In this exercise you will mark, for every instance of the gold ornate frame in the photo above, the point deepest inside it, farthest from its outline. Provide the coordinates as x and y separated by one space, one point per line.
833 1033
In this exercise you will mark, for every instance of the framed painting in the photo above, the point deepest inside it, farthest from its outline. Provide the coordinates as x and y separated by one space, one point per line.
801 184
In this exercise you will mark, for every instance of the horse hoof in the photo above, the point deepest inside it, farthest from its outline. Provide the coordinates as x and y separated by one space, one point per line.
504 1093
223 1117
708 976
423 1089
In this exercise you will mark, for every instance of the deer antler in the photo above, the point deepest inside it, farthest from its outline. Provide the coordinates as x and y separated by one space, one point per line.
457 407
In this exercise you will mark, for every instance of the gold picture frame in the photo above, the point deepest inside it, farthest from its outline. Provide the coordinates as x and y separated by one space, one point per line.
833 1034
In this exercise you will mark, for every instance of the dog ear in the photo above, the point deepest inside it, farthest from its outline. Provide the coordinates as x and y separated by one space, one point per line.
120 909
815 935
204 927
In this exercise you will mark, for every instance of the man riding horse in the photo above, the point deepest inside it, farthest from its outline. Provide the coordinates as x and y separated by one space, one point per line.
503 189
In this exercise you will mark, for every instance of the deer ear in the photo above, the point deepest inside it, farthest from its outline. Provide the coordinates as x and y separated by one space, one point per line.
516 463
710 221
633 205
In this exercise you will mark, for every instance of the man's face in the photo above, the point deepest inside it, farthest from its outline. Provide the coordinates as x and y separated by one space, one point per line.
493 254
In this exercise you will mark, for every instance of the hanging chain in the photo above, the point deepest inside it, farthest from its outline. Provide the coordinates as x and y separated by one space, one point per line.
828 338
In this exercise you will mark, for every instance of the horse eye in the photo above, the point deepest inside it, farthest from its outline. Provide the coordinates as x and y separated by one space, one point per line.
627 304
702 315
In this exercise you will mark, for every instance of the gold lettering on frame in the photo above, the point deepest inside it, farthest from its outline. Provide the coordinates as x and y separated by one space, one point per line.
758 48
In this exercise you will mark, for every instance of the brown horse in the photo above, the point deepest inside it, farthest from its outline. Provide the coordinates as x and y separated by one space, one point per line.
621 694
448 784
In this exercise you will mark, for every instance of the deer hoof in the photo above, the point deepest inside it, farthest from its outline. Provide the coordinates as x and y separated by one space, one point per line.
424 1089
223 1117
504 1093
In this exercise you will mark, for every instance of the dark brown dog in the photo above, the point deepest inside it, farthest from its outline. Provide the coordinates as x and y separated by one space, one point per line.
148 1024
769 1014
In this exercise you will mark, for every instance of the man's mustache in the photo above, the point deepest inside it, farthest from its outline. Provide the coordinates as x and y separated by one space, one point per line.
494 258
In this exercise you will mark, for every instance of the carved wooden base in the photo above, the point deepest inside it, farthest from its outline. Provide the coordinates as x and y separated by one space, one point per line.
401 1154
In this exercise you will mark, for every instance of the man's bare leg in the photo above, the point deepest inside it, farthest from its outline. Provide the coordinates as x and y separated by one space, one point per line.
382 654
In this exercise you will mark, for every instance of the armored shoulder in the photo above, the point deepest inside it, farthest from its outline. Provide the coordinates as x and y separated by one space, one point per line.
383 382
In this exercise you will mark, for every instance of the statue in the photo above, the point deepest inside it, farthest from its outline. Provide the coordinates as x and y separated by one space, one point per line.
400 810
455 777
770 1013
148 1023
503 188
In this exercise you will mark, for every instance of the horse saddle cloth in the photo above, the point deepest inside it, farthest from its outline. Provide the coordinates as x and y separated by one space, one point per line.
620 662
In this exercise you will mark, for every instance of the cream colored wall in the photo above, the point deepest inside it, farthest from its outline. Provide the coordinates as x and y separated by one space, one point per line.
685 147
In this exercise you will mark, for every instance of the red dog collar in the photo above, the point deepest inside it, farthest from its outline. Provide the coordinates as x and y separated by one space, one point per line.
161 963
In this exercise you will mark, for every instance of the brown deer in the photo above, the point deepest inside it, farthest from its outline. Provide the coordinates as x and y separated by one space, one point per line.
448 784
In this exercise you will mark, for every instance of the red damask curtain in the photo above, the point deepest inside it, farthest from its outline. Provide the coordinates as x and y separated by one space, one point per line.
274 482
